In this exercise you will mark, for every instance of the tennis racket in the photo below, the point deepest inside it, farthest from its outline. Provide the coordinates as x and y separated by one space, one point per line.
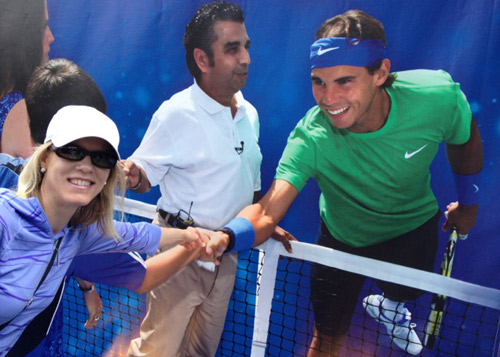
438 301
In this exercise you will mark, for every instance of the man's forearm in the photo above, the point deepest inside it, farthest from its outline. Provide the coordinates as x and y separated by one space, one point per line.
467 159
263 224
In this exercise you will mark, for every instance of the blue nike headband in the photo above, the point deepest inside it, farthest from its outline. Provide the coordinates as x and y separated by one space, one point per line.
337 51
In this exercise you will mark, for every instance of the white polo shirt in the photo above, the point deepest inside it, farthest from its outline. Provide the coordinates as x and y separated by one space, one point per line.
189 150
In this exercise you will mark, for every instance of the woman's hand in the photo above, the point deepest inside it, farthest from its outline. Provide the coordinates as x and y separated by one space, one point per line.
92 301
193 238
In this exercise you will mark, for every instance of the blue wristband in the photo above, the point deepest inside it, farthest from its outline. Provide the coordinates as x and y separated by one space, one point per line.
244 234
467 188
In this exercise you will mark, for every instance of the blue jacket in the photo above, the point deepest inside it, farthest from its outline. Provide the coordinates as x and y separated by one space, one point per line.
26 246
116 269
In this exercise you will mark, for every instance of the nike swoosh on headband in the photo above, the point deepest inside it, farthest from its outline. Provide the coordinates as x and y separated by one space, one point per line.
348 52
323 51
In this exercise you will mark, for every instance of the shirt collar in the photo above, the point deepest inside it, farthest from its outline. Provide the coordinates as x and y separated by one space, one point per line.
212 106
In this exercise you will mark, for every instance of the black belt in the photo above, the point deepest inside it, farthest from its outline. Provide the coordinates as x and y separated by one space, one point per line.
173 220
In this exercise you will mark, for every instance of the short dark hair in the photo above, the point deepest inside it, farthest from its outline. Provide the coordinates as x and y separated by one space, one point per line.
56 84
356 24
200 30
22 26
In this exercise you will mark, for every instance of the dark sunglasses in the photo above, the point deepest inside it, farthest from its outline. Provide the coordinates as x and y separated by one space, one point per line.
100 159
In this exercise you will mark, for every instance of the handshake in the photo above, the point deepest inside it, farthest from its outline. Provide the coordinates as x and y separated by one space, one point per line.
210 244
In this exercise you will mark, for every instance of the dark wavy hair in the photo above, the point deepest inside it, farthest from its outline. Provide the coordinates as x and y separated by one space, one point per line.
22 26
356 24
200 30
56 84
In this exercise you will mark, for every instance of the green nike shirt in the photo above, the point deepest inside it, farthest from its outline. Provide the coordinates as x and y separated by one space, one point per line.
376 186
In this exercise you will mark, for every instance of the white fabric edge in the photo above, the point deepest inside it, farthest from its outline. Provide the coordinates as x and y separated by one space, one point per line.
264 298
135 207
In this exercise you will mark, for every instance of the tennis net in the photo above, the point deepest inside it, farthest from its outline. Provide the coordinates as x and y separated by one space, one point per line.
270 311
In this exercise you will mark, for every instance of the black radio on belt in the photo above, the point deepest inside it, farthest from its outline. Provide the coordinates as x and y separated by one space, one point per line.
176 220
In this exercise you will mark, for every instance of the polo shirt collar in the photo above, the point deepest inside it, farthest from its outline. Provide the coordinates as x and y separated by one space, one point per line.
212 106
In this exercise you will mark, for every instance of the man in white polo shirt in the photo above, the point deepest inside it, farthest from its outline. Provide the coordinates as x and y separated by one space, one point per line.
201 149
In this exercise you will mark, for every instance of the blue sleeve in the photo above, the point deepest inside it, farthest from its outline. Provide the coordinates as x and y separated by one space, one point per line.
9 170
8 178
124 270
140 237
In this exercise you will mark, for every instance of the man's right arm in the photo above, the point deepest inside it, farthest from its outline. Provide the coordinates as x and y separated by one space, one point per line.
264 216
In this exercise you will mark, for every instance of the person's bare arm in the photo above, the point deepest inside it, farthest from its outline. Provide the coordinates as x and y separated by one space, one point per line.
263 215
16 136
92 302
162 266
266 214
191 238
466 159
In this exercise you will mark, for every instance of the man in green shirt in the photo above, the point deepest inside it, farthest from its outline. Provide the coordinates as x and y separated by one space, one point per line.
369 144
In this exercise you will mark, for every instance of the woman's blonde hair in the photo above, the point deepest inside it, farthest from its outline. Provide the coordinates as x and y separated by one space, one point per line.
100 210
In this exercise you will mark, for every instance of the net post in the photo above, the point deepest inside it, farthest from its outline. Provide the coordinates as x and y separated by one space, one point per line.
265 297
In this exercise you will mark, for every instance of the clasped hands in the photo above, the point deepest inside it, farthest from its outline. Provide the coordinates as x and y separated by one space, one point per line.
211 244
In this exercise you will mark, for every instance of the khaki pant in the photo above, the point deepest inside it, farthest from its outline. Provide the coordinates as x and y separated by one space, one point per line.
186 314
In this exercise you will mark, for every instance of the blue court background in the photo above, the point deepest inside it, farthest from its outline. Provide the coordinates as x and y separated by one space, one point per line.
133 49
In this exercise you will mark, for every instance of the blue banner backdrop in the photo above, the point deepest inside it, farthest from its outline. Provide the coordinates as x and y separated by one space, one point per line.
133 49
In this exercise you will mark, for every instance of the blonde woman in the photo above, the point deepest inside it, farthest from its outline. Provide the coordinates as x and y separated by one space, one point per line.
63 208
